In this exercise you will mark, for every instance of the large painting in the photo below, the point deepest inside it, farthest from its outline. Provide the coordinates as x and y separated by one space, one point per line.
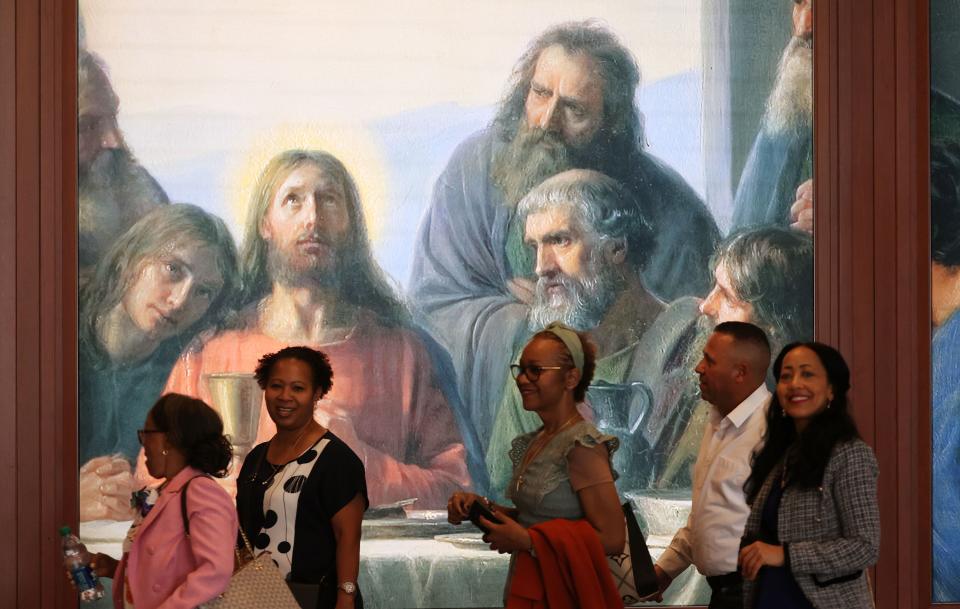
414 189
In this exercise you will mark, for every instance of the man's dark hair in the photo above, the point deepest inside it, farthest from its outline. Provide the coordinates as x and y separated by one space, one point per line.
744 332
945 203
321 372
196 430
810 450
622 131
772 269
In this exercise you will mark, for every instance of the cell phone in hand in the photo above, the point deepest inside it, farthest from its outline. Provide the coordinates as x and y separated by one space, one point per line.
476 511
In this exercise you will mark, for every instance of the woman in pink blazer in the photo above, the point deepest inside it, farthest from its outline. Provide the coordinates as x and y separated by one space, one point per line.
162 567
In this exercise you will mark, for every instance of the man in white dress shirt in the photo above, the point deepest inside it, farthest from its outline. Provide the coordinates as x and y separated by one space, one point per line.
732 374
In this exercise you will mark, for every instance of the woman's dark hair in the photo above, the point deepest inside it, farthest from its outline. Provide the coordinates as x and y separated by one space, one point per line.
589 360
811 449
194 429
320 369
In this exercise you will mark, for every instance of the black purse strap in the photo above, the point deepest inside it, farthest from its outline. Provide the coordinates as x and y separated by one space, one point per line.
183 505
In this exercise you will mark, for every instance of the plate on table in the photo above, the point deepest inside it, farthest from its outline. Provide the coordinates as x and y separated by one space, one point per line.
464 541
417 524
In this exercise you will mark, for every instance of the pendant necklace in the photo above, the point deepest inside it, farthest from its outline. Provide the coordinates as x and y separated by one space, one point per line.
276 468
543 438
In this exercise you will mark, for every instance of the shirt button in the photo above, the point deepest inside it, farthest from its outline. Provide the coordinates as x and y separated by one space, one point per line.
151 551
156 587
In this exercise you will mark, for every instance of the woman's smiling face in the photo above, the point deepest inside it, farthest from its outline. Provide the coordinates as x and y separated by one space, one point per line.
290 394
803 388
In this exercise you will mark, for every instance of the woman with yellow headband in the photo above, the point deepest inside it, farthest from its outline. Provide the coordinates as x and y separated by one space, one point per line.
567 514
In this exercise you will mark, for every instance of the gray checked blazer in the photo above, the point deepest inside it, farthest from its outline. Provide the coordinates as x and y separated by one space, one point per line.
832 532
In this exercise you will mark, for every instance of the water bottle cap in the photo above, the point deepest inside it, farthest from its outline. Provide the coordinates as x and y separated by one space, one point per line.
64 531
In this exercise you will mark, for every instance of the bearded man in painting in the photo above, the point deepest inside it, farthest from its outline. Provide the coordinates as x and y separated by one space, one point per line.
570 105
591 245
114 189
309 278
776 186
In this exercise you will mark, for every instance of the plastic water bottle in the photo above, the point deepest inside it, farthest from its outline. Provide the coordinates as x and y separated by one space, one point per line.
76 560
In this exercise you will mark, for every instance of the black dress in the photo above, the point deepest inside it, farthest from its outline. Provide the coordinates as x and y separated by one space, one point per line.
776 587
302 496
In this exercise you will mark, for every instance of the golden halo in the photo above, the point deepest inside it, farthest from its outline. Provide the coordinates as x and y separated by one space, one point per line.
354 145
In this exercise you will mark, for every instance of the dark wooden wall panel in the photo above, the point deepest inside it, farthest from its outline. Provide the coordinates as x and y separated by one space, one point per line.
8 328
872 296
912 418
38 303
27 284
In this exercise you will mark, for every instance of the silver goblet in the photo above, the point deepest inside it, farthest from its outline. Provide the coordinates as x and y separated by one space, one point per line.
238 397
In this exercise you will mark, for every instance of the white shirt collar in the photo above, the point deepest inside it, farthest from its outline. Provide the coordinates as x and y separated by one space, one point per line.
744 409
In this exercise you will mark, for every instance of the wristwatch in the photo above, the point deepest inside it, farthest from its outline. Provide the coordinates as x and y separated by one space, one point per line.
348 587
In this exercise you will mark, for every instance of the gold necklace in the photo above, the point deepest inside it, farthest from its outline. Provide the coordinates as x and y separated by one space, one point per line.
533 452
275 467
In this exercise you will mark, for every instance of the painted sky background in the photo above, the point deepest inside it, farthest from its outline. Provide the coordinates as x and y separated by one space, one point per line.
211 90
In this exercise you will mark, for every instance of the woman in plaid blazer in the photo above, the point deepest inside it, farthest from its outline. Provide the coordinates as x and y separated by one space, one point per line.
814 525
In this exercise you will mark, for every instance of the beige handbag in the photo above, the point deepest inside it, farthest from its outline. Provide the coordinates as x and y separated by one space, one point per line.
257 584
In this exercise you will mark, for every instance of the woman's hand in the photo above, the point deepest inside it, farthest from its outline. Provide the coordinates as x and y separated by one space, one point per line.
458 507
759 554
103 565
509 536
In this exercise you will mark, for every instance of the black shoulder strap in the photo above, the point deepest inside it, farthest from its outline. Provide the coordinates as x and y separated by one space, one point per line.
183 505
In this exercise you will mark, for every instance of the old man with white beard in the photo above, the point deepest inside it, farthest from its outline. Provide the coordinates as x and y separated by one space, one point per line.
776 186
570 104
590 244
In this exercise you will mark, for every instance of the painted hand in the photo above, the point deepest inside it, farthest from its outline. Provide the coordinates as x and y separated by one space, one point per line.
105 486
801 212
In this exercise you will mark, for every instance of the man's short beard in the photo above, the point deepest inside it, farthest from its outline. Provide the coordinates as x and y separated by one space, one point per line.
114 191
282 269
790 105
532 156
583 303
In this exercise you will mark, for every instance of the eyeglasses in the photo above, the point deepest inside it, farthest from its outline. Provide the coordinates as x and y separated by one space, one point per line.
142 432
532 371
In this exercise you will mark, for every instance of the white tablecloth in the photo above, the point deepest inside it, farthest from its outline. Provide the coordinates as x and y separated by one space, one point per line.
407 573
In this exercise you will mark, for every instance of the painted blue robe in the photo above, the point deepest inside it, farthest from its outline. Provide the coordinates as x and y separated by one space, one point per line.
460 270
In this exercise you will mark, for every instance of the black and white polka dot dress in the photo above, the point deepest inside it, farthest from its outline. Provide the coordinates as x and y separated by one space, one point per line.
280 503
287 509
